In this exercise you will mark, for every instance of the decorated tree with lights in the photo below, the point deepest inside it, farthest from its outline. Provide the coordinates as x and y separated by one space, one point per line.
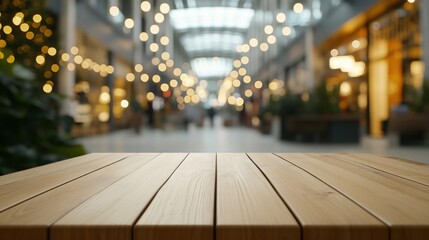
28 72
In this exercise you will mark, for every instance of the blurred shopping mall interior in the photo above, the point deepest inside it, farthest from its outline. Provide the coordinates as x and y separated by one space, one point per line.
81 76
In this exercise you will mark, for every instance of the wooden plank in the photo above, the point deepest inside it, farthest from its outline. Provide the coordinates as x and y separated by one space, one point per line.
402 204
184 208
18 191
48 168
413 171
31 219
247 207
111 213
323 213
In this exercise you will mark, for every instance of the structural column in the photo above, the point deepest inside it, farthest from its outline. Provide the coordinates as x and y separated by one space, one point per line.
309 57
424 27
67 32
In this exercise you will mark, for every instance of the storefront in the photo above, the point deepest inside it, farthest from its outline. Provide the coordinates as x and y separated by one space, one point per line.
395 65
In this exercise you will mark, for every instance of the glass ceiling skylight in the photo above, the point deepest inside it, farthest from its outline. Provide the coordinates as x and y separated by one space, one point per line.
225 41
206 68
211 17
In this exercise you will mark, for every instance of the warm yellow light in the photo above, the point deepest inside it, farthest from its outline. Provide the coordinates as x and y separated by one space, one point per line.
78 59
411 1
334 52
47 88
236 83
358 70
245 48
355 44
231 100
255 121
162 67
7 29
271 39
114 10
154 29
24 27
130 77
345 89
40 59
110 69
164 8
244 60
71 67
247 79
16 20
248 93
234 74
195 99
177 72
104 98
281 17
253 42
268 29
150 96
236 63
156 78
164 87
48 33
29 35
298 7
55 68
165 56
173 83
10 59
154 47
103 116
124 103
129 23
2 43
74 50
242 71
180 106
190 92
37 18
138 67
264 47
155 61
258 84
164 40
143 36
273 86
169 63
239 101
145 6
187 99
159 17
52 51
1 55
286 31
144 77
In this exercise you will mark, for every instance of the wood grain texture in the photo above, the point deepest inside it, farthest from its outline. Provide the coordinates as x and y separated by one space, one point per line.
413 171
401 204
23 189
323 213
31 219
247 205
49 168
183 209
111 213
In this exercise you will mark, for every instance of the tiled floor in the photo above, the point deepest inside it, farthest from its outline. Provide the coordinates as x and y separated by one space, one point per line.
233 139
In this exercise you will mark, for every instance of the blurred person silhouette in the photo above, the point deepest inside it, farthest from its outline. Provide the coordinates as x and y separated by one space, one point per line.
211 113
136 116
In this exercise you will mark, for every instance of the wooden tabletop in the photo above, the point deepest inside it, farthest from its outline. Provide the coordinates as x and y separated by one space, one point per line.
248 196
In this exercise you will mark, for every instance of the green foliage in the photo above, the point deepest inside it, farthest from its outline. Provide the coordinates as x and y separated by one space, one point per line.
29 135
321 101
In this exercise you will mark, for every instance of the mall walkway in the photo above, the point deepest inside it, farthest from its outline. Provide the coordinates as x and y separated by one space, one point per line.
232 139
